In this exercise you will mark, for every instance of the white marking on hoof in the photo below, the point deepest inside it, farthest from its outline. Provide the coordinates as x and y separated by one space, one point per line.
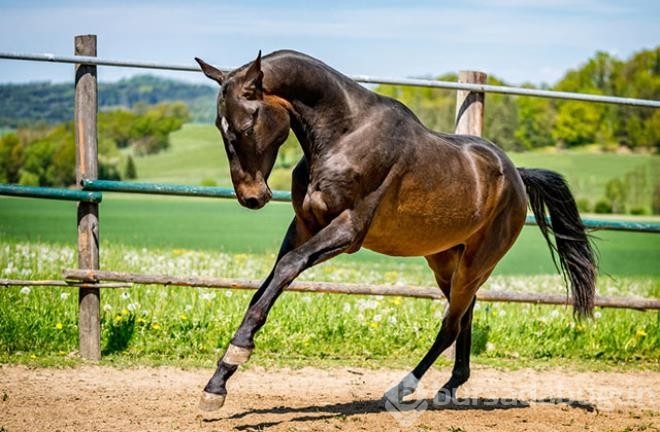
405 387
211 401
236 355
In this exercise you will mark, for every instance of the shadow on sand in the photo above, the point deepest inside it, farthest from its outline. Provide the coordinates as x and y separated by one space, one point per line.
375 406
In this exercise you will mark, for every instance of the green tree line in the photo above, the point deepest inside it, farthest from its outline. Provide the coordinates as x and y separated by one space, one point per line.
45 155
24 105
519 123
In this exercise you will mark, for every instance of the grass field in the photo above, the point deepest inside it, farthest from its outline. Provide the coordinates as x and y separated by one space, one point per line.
222 225
209 237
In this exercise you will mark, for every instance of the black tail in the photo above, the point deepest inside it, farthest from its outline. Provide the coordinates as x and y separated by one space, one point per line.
577 262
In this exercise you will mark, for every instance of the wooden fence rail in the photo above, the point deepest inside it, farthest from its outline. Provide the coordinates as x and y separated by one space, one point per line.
93 276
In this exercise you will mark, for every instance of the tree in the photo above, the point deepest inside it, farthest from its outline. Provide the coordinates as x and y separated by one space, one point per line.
581 123
11 158
116 125
501 119
434 107
535 119
640 78
615 192
131 171
577 123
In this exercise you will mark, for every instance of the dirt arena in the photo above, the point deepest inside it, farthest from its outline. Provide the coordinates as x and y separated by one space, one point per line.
95 398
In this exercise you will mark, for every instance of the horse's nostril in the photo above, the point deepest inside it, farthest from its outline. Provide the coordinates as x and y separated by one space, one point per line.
251 203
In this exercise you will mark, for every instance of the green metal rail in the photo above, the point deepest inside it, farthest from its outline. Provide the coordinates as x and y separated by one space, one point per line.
614 225
224 192
92 193
51 193
170 189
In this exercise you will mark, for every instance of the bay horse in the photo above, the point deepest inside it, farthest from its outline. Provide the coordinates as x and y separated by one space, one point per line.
374 176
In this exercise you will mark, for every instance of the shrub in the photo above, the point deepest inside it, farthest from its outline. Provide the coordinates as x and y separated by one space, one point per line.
208 181
26 178
638 211
583 204
603 207
131 171
616 192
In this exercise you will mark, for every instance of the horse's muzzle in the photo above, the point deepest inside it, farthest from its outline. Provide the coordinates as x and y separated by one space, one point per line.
253 198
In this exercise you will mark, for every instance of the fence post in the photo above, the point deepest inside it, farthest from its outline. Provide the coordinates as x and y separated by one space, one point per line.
469 121
470 105
86 105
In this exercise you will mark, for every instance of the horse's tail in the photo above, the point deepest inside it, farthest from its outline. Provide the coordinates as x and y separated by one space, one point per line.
577 261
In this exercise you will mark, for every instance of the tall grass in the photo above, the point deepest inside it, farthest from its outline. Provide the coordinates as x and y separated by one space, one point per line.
192 326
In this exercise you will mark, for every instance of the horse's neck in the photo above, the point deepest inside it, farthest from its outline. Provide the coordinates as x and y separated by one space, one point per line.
323 101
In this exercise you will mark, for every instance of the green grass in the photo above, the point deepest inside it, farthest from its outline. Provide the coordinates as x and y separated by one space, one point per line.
196 153
588 173
222 225
184 326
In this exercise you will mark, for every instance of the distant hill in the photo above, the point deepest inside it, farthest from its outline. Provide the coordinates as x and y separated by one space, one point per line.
26 104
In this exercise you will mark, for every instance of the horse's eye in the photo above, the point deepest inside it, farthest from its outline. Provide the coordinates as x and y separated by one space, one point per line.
249 131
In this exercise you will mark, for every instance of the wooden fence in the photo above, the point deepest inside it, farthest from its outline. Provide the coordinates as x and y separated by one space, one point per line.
89 278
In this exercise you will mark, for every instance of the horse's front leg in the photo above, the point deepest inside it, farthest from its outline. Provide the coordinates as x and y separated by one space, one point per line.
334 239
215 391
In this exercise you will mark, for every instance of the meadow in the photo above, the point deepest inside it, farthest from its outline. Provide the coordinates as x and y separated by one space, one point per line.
207 237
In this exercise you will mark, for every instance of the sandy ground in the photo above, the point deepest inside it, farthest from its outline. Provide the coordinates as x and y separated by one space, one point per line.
94 398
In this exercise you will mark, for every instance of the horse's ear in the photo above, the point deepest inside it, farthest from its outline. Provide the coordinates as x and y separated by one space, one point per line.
214 73
253 86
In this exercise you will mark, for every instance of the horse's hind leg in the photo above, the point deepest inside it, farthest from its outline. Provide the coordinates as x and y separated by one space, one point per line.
461 371
459 284
460 272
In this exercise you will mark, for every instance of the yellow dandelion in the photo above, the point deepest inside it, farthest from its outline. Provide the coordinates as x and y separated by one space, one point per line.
640 333
183 317
155 326
391 276
59 326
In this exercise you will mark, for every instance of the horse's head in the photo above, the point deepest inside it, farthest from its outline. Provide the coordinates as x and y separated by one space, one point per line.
253 125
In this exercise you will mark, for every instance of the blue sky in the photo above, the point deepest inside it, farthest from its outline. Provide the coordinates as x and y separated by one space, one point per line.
516 40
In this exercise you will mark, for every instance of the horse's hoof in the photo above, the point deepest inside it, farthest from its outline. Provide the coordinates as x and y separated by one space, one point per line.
211 401
396 394
392 396
406 387
445 396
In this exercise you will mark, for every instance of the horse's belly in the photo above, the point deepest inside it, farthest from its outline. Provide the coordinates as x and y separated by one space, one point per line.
399 234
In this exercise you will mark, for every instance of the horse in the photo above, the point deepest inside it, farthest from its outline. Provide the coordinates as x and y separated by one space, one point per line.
373 176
